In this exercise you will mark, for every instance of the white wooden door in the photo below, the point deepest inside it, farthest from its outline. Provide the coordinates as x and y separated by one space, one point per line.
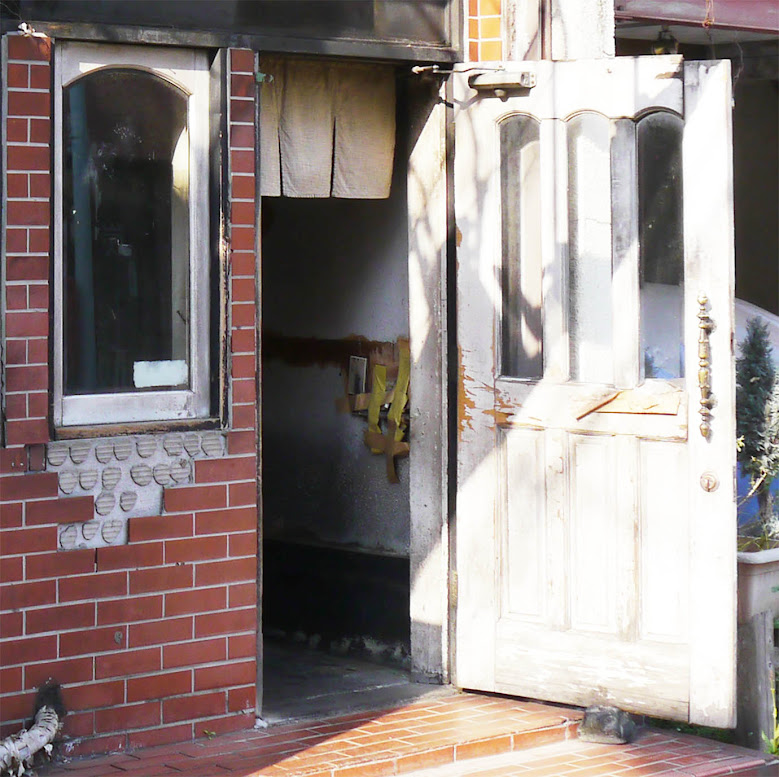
595 525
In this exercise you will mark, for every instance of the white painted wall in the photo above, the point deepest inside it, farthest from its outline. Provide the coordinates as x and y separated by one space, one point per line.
582 29
745 311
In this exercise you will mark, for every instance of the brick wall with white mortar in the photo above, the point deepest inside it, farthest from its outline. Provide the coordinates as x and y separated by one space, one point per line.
152 640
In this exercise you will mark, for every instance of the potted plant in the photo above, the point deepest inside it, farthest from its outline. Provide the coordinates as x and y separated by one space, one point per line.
757 424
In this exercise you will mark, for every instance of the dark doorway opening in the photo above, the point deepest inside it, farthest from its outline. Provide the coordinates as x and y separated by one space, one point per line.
335 612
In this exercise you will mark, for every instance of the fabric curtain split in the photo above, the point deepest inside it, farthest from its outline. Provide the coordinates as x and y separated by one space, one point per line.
327 129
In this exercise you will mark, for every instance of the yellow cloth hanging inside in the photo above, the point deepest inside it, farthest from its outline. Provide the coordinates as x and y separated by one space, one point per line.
395 415
376 401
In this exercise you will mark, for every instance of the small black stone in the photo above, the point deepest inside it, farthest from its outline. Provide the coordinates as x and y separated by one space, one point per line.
607 725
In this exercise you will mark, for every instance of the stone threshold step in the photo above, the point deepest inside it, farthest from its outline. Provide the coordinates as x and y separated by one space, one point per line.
442 730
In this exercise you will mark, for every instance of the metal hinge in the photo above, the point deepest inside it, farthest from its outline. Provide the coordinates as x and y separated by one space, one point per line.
501 82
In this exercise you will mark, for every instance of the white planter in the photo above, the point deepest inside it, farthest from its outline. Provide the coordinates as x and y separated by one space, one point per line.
758 583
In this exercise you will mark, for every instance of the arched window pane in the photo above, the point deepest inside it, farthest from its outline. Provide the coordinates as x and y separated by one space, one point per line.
661 244
589 240
126 232
520 182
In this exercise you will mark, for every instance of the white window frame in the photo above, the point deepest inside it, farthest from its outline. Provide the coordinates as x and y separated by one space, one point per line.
187 69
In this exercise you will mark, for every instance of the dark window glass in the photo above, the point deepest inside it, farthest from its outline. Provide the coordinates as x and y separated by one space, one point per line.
126 231
520 185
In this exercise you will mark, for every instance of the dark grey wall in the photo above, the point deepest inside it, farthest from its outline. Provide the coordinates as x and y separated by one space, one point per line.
334 271
756 179
403 30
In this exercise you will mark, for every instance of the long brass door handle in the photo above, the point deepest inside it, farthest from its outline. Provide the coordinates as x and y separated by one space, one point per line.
705 325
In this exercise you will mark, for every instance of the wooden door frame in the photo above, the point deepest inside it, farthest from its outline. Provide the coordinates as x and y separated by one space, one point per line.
428 206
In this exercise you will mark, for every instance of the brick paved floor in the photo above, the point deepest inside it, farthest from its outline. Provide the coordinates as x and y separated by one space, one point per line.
652 754
442 732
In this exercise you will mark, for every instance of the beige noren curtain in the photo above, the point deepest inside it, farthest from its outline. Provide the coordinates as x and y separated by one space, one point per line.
327 129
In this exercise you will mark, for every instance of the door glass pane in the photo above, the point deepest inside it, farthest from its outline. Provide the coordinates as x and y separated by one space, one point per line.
125 232
520 184
589 244
661 245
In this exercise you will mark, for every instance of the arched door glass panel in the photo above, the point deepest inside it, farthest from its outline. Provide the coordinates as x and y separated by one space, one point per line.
661 245
520 183
590 324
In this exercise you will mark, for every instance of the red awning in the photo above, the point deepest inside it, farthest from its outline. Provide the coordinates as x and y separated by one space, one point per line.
751 15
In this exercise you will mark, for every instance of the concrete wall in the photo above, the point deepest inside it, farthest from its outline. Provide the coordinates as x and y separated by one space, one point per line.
513 29
335 283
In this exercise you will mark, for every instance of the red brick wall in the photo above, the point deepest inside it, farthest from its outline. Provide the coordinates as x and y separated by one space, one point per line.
153 641
28 215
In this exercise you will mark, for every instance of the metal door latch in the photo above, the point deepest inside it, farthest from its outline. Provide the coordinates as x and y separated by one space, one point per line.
705 326
709 482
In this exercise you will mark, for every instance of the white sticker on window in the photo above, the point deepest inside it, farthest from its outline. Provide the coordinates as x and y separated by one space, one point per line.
162 373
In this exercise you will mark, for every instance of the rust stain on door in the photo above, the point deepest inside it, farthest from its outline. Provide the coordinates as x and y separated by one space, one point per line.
465 403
